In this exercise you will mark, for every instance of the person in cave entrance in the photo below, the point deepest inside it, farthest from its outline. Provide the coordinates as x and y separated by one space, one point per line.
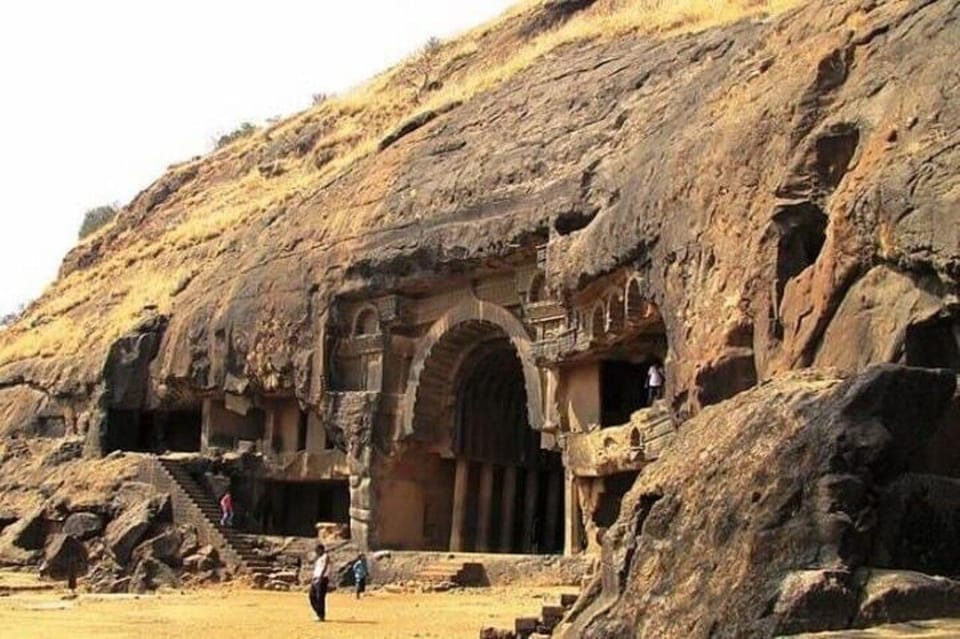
654 383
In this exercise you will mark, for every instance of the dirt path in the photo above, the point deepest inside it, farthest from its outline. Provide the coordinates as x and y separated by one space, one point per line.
239 613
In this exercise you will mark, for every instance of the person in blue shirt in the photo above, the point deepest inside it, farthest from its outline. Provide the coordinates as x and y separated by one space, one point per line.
360 574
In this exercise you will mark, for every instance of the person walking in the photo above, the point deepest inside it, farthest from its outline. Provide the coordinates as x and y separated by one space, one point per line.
319 583
226 509
360 574
654 383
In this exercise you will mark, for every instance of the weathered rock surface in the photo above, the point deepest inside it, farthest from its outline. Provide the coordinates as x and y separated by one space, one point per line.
83 526
21 542
777 181
894 596
64 556
759 526
125 532
165 547
151 574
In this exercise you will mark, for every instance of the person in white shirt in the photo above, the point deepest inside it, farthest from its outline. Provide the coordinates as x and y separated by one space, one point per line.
319 583
654 383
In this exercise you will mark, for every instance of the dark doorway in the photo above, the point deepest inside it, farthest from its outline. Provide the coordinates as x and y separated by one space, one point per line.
179 431
295 508
933 344
153 431
614 489
622 391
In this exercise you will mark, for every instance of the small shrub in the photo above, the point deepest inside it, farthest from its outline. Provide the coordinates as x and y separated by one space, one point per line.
432 45
97 218
422 67
242 131
319 98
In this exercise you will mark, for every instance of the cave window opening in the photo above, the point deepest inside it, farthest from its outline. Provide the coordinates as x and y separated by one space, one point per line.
367 322
598 323
802 230
302 427
538 289
933 344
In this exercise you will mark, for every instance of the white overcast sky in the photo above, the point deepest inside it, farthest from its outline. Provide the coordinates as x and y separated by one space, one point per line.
98 97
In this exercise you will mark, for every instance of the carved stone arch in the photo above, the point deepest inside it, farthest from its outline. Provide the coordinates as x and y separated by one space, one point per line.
538 289
598 321
366 321
634 298
616 312
469 319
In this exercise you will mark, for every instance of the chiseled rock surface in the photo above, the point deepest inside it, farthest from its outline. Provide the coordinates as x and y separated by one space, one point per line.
776 181
756 517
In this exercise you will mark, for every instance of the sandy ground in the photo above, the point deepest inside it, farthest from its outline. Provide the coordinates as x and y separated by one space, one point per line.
238 613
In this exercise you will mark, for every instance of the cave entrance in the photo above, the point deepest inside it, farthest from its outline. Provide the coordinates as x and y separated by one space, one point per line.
296 508
473 476
933 344
153 431
507 491
623 390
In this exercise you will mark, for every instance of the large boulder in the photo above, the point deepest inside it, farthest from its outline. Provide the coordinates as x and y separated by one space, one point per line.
892 596
124 533
21 543
754 519
165 547
83 526
150 574
64 556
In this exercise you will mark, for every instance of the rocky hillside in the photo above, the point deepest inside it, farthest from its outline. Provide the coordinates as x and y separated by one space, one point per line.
778 178
786 176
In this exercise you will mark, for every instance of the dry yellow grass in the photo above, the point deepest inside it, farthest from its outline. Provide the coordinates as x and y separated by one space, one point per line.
143 268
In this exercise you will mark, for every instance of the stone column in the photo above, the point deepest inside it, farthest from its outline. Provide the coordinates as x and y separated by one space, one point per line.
205 423
508 508
485 508
459 505
571 516
530 508
551 527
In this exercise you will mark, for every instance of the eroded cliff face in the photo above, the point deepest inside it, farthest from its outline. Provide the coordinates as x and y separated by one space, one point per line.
784 189
778 512
778 181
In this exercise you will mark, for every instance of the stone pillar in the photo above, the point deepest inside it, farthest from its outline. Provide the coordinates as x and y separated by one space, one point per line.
508 508
459 505
206 418
530 509
571 516
485 508
551 525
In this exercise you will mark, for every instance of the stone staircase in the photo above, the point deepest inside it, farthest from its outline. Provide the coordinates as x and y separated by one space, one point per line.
194 504
452 572
542 626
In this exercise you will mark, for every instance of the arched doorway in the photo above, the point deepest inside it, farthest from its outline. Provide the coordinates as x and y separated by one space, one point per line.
507 494
470 474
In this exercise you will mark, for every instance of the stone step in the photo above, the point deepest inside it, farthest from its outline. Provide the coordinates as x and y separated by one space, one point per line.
568 599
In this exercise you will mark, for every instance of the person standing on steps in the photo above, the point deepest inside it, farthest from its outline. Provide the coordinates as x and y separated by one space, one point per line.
360 574
226 509
319 583
654 383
